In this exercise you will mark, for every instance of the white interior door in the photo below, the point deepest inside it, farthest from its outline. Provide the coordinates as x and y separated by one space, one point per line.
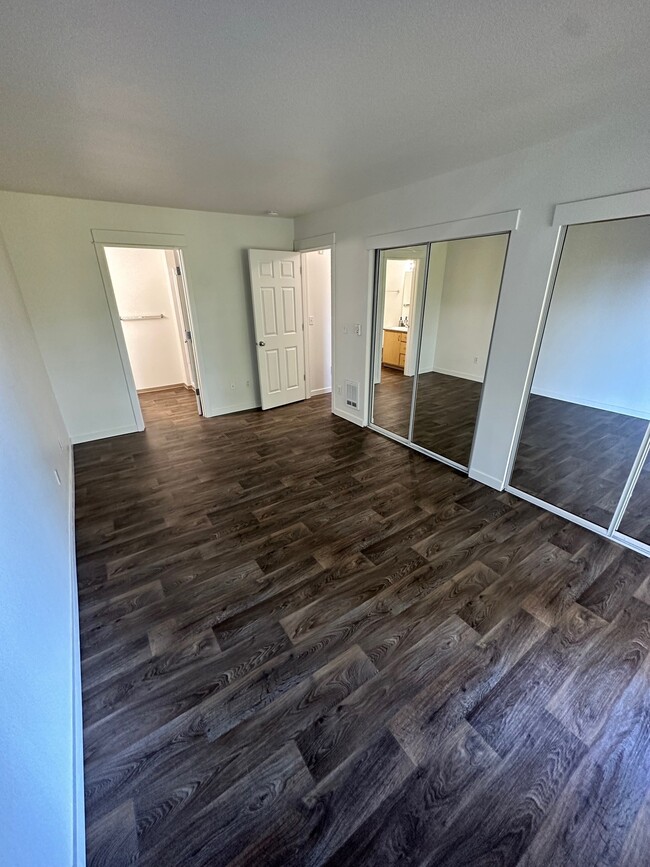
279 325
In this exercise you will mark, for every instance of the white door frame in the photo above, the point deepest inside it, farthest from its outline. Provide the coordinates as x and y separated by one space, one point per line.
311 245
102 238
305 309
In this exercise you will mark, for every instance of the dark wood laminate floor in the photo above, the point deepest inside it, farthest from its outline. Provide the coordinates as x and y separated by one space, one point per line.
445 411
303 644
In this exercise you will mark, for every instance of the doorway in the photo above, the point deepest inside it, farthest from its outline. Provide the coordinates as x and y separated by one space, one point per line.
149 290
292 310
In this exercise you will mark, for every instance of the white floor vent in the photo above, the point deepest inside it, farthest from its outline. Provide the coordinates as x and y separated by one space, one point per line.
352 394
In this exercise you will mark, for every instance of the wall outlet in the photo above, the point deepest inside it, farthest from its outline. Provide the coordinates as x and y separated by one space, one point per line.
345 329
476 359
248 383
233 386
311 320
357 329
339 389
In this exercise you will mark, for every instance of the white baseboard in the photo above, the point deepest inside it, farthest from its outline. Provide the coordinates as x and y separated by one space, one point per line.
316 391
104 434
341 413
581 401
485 479
78 787
459 374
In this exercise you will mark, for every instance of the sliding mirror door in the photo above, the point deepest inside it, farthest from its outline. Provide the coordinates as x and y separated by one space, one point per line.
435 306
589 405
463 283
400 279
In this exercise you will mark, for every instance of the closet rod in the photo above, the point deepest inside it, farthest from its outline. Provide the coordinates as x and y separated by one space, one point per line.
146 316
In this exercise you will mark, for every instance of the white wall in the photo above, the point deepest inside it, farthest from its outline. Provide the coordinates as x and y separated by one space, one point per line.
318 281
603 160
141 285
39 648
596 347
470 292
49 242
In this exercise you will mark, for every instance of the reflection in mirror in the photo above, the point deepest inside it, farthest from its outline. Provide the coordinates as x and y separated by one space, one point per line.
463 285
401 278
590 398
636 519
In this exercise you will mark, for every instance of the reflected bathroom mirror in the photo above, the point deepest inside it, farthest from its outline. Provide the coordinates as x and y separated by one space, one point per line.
399 290
589 405
463 284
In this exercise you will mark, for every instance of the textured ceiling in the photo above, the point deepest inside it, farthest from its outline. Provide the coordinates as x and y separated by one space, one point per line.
249 105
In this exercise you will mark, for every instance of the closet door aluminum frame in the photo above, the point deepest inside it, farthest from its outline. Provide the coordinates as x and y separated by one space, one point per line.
374 355
419 321
610 532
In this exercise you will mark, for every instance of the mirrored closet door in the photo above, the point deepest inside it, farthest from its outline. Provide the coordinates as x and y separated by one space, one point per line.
586 422
400 281
435 306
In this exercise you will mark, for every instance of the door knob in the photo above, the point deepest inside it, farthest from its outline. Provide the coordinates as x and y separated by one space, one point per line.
261 343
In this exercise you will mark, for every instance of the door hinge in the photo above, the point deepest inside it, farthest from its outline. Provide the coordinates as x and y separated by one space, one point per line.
178 270
197 391
188 335
304 376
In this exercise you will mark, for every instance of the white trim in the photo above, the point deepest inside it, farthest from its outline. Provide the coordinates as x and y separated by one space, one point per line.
485 479
104 434
616 207
125 238
318 391
78 786
580 401
341 413
317 242
488 224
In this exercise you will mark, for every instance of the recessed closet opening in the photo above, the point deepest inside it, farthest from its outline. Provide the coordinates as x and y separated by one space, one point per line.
150 295
434 311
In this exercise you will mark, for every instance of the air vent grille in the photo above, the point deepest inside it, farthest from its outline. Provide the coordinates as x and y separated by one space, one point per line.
352 394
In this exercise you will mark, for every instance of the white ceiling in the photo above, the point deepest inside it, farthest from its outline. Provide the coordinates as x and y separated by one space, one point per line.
294 105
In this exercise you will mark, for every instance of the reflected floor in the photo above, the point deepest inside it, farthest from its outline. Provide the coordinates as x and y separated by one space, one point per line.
636 520
445 413
576 457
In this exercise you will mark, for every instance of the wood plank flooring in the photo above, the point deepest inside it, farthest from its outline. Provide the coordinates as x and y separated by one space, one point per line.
303 644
